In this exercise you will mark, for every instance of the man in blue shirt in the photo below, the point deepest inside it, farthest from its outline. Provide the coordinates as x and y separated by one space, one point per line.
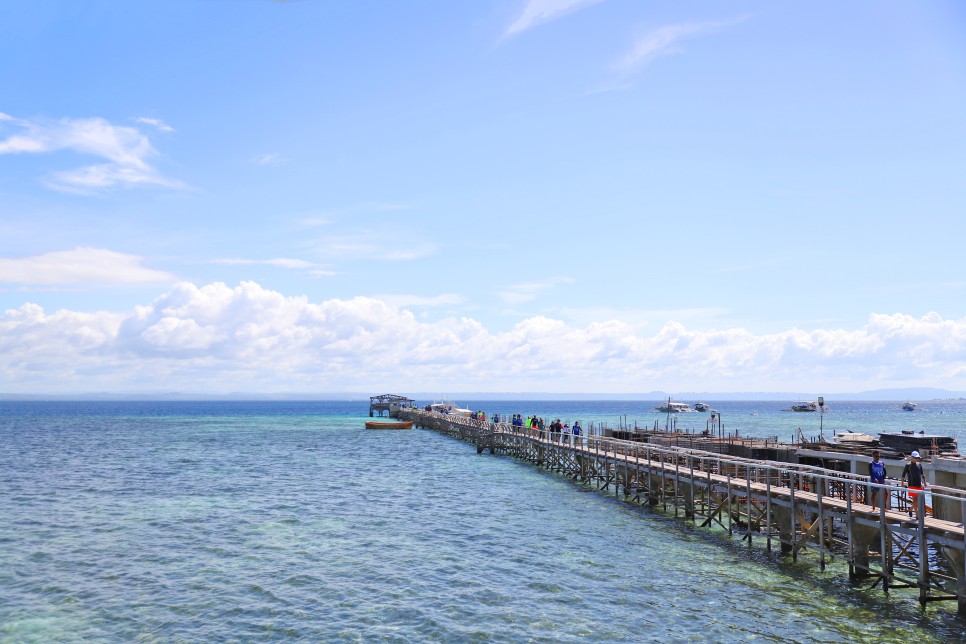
877 474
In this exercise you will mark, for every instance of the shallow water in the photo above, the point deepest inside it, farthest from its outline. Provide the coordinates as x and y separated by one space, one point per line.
287 521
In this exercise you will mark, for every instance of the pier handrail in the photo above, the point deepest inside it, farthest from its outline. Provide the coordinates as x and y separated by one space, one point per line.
798 505
627 449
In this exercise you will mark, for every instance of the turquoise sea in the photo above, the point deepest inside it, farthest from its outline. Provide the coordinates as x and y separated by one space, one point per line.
286 521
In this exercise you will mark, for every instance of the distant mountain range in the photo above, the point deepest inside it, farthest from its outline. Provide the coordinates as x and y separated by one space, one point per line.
913 393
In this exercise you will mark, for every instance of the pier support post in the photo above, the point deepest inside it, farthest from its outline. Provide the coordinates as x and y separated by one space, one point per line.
624 475
654 485
862 538
783 517
957 561
687 494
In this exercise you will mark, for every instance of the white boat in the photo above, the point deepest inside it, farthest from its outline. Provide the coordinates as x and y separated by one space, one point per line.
673 408
702 406
909 406
448 407
805 405
855 438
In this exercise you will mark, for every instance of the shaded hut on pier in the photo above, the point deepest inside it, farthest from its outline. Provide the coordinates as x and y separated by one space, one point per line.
388 403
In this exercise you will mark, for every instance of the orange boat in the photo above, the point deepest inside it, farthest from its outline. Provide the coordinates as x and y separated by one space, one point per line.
399 424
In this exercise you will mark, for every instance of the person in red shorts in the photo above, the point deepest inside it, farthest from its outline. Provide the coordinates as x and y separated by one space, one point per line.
913 473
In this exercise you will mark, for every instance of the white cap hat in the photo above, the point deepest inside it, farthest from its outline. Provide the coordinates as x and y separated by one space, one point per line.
915 455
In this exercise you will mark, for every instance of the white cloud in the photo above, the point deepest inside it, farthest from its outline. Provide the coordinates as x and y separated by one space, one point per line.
280 262
402 301
126 150
156 123
270 158
528 291
537 12
218 338
313 221
315 270
79 266
664 41
380 245
353 211
633 316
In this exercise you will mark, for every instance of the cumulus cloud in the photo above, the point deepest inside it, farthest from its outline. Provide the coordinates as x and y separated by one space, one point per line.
537 12
125 149
219 338
79 266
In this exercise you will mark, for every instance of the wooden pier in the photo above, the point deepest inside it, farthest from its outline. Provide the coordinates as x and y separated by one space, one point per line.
798 508
388 404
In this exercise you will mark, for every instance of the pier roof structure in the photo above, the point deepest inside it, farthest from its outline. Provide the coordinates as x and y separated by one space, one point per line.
383 403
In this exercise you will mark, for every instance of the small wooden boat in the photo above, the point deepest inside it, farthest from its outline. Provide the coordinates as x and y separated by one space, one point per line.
391 424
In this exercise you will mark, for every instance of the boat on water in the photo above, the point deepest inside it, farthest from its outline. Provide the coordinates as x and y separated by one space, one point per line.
673 408
448 407
805 405
389 424
909 406
702 406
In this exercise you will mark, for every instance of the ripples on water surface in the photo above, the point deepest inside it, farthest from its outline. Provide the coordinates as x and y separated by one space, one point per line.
279 521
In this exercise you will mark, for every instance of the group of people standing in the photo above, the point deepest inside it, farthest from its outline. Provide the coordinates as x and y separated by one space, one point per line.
559 432
912 473
562 432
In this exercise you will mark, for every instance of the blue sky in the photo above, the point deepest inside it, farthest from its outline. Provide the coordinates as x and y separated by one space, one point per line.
506 195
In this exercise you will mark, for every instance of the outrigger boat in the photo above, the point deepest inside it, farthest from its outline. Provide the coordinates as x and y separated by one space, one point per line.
673 408
448 407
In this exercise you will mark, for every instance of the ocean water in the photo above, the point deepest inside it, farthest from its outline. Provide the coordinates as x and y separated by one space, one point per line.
286 521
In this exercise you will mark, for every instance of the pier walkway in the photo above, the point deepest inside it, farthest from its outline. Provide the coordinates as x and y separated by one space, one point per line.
800 508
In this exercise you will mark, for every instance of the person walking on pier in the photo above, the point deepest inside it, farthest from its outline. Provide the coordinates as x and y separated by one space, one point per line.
913 473
558 431
576 432
877 474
